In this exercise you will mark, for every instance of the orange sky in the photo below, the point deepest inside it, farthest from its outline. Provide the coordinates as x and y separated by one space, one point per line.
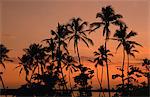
23 22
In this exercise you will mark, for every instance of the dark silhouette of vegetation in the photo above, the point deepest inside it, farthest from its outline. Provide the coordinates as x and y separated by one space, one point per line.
99 59
107 16
82 79
123 38
3 57
47 66
78 30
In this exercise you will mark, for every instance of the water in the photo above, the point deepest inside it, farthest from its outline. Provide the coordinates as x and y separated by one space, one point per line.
76 93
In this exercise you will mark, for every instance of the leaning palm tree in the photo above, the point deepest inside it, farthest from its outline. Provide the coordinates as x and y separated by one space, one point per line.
3 57
107 17
78 30
123 37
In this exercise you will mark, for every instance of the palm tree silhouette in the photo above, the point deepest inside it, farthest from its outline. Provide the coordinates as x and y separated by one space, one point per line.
71 67
99 59
77 28
34 58
24 65
51 49
81 80
123 37
107 17
3 57
59 37
130 49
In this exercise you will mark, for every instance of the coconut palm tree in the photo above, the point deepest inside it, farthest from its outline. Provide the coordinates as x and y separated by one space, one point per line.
59 37
99 60
24 65
3 57
123 37
70 66
107 17
78 30
130 50
34 59
51 48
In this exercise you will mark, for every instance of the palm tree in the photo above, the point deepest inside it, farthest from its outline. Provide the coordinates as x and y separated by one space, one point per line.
24 65
107 17
123 37
59 37
77 28
130 49
99 60
3 57
34 58
70 66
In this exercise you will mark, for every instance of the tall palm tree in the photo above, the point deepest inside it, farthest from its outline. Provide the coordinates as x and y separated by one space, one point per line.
99 59
3 57
59 37
107 16
123 37
78 30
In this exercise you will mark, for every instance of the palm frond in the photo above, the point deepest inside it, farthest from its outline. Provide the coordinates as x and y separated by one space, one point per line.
118 47
131 34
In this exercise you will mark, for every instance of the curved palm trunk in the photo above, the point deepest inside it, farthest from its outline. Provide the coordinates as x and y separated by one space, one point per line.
123 71
70 83
107 68
78 54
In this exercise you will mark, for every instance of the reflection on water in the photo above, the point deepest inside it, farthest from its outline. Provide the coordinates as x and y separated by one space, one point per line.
76 94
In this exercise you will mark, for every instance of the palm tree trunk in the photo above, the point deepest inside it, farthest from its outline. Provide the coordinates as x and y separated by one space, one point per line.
123 71
59 64
148 79
98 78
107 68
63 78
2 82
32 74
102 80
70 84
70 80
78 54
102 75
128 74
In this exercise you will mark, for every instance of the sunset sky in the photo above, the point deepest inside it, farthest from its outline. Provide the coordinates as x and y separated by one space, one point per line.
23 22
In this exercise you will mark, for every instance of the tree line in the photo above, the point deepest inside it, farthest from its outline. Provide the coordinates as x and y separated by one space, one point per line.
44 65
